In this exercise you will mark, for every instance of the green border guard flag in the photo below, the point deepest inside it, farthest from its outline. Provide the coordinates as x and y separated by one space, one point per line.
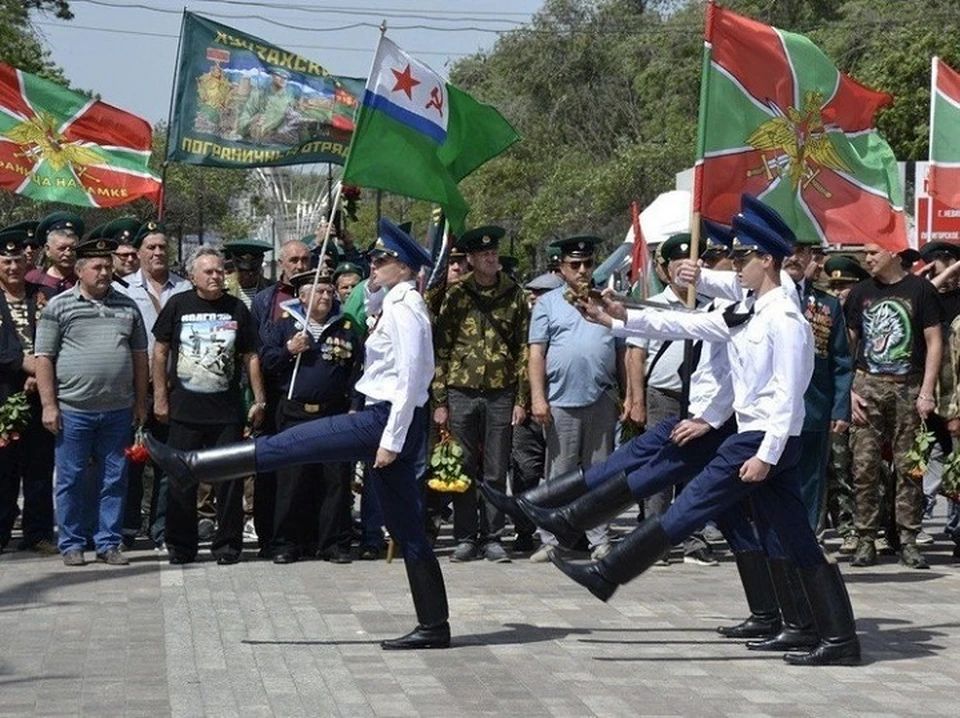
944 173
780 121
242 102
418 136
57 145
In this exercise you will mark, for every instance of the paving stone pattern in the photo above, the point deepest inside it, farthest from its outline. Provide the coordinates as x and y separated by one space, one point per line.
257 639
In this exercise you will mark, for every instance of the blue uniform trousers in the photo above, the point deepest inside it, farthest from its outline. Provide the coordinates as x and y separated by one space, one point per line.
355 437
813 473
778 509
653 463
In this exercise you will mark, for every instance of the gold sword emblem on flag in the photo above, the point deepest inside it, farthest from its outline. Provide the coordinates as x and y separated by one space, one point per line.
795 145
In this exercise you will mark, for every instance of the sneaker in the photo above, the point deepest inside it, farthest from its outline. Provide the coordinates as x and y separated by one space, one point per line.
206 529
542 554
850 543
73 558
665 561
866 553
924 539
883 547
701 557
911 557
600 551
494 552
465 551
113 557
44 547
249 531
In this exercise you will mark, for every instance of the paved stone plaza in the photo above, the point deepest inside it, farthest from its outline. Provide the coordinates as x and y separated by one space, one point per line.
263 640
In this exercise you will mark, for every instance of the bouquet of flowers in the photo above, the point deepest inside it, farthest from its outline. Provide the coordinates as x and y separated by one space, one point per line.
14 416
137 452
446 466
919 453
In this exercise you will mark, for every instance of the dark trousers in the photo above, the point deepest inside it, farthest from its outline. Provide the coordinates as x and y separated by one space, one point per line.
355 437
528 462
312 514
654 464
181 523
480 421
813 473
158 490
29 459
779 512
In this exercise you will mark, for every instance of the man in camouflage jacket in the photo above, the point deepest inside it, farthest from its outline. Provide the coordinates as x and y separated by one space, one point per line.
480 388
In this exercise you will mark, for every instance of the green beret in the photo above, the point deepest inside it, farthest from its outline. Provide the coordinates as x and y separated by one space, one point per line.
122 229
11 242
247 254
481 239
930 250
27 231
842 268
676 246
147 228
509 264
577 247
347 268
59 221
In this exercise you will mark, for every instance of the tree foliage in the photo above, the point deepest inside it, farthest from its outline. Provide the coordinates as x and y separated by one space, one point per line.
605 94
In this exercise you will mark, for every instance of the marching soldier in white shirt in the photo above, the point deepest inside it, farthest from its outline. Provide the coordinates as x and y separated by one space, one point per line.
770 348
387 432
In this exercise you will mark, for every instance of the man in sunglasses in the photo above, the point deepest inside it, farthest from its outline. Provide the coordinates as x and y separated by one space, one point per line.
575 369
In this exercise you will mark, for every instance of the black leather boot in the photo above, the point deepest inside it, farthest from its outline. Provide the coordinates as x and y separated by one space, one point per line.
764 619
637 552
430 602
597 506
799 631
210 466
557 491
833 614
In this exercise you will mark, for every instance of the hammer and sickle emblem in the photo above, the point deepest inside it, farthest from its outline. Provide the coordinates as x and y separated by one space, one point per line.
436 100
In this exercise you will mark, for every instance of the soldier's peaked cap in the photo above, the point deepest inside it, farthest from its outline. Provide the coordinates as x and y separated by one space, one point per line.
759 227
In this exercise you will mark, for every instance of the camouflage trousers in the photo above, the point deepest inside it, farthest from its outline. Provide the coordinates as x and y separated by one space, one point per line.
840 505
891 417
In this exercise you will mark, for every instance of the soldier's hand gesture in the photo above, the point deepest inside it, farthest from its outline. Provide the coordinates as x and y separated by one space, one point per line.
687 273
754 470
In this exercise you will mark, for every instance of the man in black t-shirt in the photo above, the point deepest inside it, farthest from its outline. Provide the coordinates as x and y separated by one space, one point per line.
204 338
894 324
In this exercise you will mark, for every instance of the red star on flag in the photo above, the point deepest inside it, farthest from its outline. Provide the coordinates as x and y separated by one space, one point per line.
405 81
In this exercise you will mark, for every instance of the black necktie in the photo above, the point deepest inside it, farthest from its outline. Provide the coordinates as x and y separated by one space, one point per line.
733 318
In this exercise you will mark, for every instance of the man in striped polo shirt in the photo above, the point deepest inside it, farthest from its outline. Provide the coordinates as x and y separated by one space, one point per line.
92 369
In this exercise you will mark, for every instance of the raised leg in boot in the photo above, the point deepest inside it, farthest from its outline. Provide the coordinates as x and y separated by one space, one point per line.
594 508
557 491
628 559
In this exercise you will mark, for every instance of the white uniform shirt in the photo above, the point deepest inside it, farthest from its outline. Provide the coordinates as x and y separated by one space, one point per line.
711 386
399 361
771 361
665 373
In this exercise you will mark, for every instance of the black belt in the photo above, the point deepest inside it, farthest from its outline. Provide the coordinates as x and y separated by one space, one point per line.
316 409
